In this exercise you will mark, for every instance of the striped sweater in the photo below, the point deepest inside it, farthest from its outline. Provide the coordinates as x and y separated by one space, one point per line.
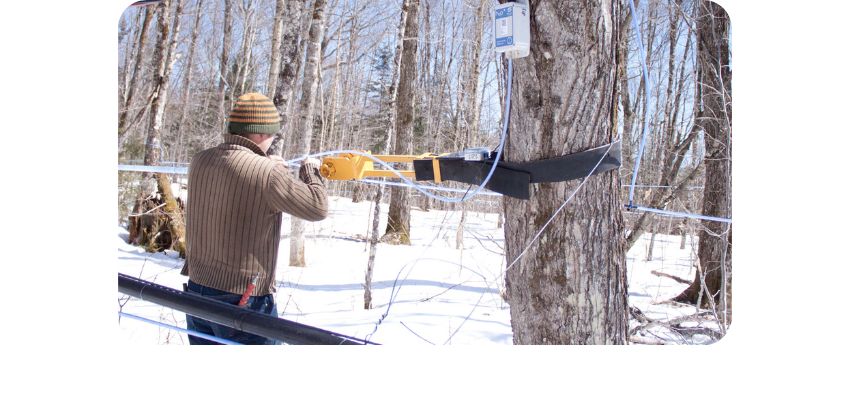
236 197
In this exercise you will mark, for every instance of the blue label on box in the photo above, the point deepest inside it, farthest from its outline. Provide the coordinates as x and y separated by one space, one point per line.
504 12
505 41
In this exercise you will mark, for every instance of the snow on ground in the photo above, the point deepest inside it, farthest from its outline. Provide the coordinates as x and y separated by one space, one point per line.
426 293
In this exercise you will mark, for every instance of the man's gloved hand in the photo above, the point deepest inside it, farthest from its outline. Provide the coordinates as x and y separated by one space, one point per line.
312 162
310 171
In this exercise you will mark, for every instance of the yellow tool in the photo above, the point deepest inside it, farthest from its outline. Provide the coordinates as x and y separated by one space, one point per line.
479 166
350 166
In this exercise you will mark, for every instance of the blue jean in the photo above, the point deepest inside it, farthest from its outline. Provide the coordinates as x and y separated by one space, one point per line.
264 304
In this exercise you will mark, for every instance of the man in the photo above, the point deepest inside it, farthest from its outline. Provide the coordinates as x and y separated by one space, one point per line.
237 194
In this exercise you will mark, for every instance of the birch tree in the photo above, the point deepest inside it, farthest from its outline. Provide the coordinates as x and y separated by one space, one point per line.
569 287
290 54
277 35
392 111
163 63
302 136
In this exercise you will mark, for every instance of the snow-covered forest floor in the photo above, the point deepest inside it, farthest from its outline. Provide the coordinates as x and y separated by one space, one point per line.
426 293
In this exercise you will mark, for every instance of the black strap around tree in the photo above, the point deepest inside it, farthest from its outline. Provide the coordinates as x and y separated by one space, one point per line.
513 178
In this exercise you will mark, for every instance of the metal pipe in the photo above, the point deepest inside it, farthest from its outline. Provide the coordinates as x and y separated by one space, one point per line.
230 315
682 214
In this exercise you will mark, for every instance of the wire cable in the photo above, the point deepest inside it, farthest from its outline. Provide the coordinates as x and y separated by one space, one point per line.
682 214
648 83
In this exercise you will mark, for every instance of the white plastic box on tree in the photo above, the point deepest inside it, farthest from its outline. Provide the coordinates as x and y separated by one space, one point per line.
511 29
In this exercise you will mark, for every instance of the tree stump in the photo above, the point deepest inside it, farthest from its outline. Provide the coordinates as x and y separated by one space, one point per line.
156 222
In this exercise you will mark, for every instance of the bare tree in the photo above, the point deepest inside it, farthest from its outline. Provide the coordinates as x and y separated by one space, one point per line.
227 37
124 123
711 284
163 62
570 286
302 137
469 109
187 79
392 94
398 222
290 53
277 36
675 144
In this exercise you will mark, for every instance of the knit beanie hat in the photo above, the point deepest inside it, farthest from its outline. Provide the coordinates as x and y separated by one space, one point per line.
254 113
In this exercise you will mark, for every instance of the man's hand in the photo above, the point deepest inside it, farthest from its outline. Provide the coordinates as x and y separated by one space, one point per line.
313 162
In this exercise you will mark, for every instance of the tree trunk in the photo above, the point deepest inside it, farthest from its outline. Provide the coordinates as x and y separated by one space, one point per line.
304 134
334 99
223 64
163 62
469 110
187 82
676 146
459 234
129 50
426 93
715 239
123 114
274 65
349 95
470 86
290 64
651 244
391 110
570 286
243 68
398 220
625 98
373 246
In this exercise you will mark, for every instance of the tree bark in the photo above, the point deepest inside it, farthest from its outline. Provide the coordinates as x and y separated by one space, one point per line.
277 33
163 62
470 109
715 238
290 65
570 286
304 134
623 77
223 64
187 81
398 219
137 67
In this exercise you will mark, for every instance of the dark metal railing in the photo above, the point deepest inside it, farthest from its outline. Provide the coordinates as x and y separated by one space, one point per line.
230 315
